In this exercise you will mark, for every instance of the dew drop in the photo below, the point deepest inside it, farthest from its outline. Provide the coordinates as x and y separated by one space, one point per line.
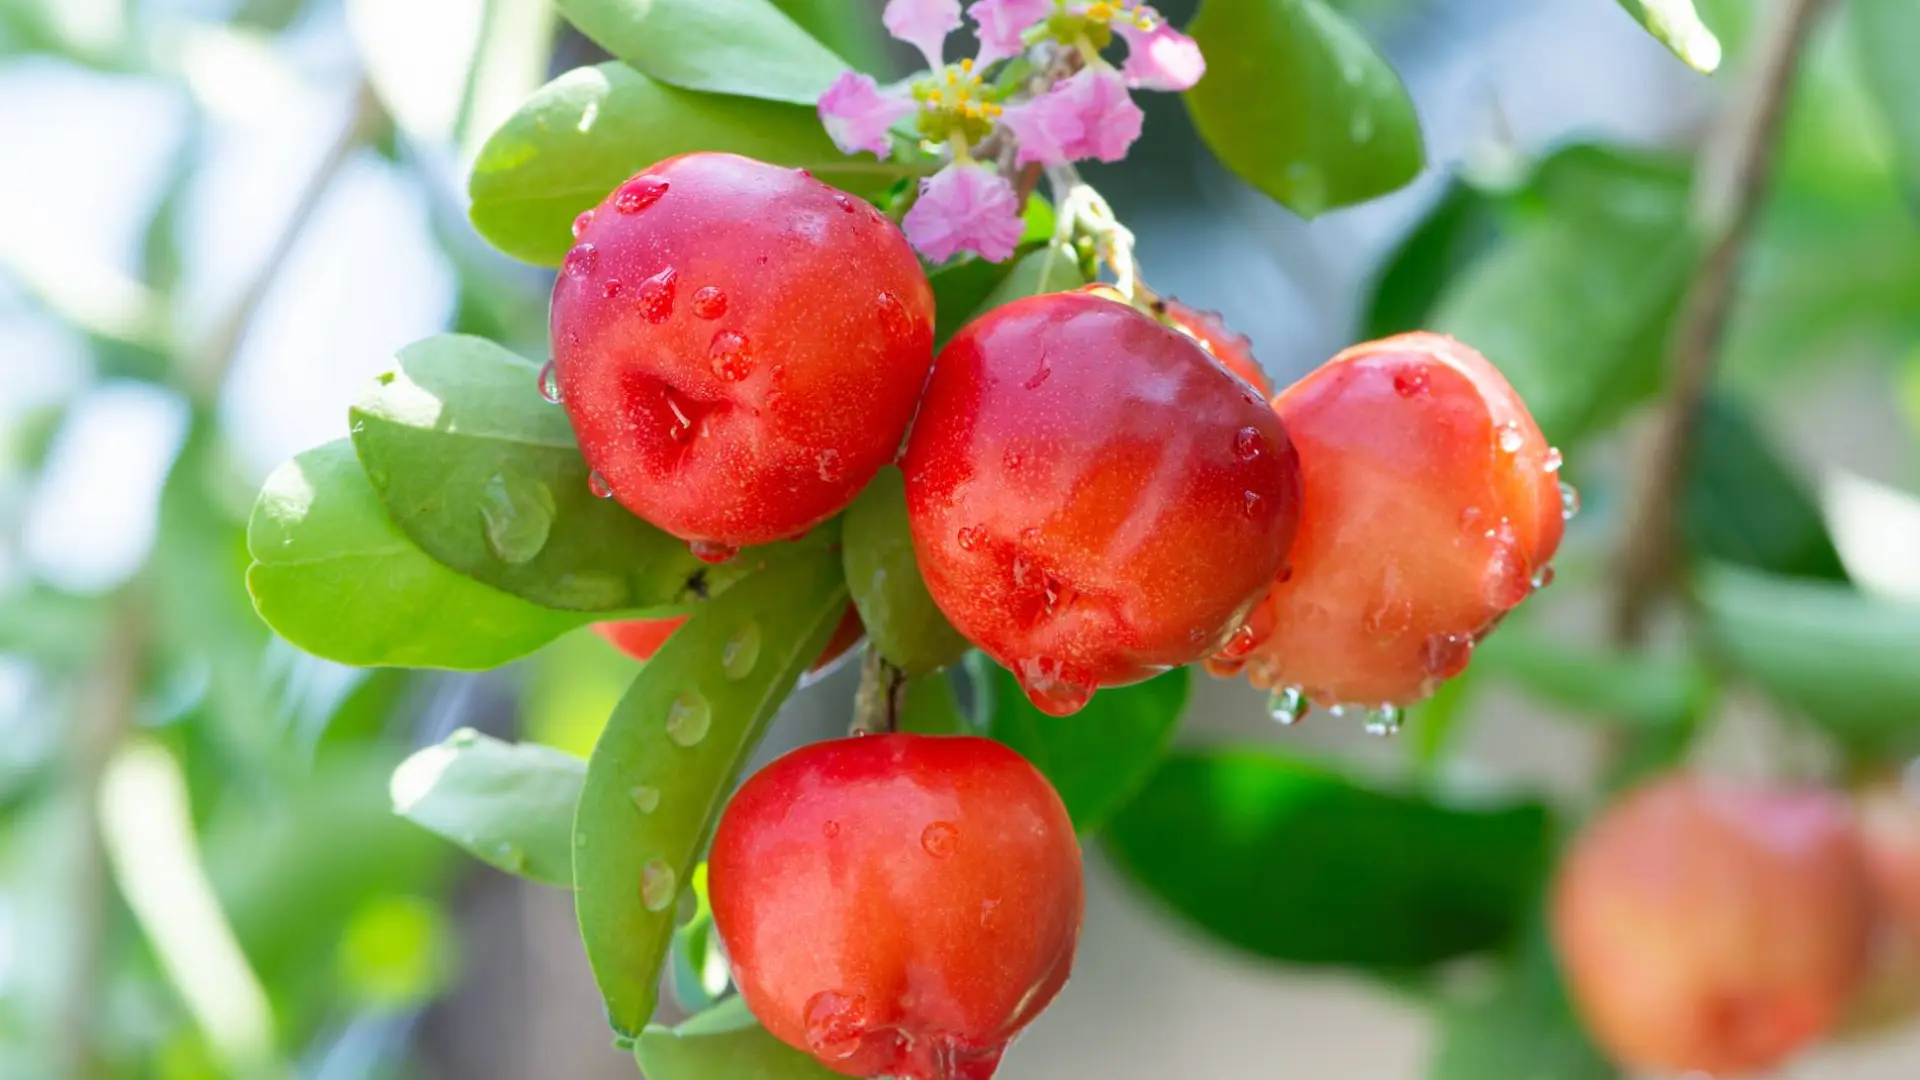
1569 501
599 486
830 830
844 203
517 515
741 652
1287 705
580 261
728 355
657 885
1250 503
1510 438
895 322
582 223
1308 196
1383 720
1445 655
971 537
828 466
1470 519
1411 381
804 174
611 289
1508 575
1543 577
836 1025
647 799
712 552
688 719
639 193
1055 688
510 858
1554 460
939 839
709 302
1248 443
550 384
1055 591
656 295
1241 642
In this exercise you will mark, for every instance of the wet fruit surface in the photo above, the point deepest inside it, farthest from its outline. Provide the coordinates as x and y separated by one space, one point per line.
1431 506
1223 343
738 351
641 638
1704 926
898 905
1092 499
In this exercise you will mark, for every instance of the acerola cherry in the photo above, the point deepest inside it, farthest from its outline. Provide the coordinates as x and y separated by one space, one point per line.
898 905
1223 343
641 638
739 347
1431 507
1093 500
1889 826
1704 926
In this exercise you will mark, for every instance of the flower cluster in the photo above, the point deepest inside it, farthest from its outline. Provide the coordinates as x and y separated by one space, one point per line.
1065 102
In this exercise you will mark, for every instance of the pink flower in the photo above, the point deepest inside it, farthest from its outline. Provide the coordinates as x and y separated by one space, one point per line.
857 115
1090 115
965 207
1002 22
1161 58
923 24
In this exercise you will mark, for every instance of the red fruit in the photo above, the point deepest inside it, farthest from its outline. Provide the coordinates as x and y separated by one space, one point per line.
1221 342
1889 826
1432 506
739 347
898 905
1092 499
1707 927
641 638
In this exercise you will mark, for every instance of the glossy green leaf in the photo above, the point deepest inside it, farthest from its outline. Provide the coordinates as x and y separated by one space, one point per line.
884 577
1645 690
669 757
932 707
1294 863
1461 226
510 805
1845 659
1744 504
481 472
1522 1027
585 132
723 1043
335 576
748 48
698 973
1886 42
1099 757
1679 27
1299 104
959 288
1054 268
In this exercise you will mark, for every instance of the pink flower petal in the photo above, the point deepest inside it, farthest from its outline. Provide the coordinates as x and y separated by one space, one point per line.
1161 58
923 24
857 115
1090 115
965 208
1001 23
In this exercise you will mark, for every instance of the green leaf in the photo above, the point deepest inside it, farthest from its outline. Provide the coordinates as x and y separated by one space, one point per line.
1522 1027
509 805
699 967
884 577
1299 104
959 288
748 48
1099 757
1294 863
587 131
1054 268
1745 505
1680 28
669 757
333 575
481 472
1651 690
1463 225
724 1043
1843 658
1886 40
932 707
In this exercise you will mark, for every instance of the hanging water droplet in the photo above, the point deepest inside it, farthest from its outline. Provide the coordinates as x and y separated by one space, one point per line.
1383 720
1554 460
639 193
1308 194
939 839
971 537
1445 655
647 799
1510 438
688 718
655 299
517 514
712 552
1250 503
741 652
709 302
1287 705
599 486
827 464
580 261
1569 501
844 203
582 223
1242 641
657 885
1248 443
1054 687
728 355
1543 577
550 383
1411 380
836 1025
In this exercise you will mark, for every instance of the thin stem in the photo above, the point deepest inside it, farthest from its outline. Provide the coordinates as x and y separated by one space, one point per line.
876 704
1735 168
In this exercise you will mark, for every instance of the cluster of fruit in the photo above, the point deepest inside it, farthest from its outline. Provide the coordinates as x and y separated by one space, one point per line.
1097 490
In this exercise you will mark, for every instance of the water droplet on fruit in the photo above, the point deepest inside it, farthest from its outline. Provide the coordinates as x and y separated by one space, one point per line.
1248 443
639 193
836 1025
582 223
688 718
611 289
1287 705
1382 720
728 354
550 384
939 839
830 830
580 261
656 295
844 203
828 466
1508 576
1569 501
1470 519
1250 502
1242 641
1411 381
517 514
895 322
1543 577
646 798
804 174
1554 460
1054 687
599 486
709 302
657 885
712 551
741 652
971 537
1055 591
1509 438
1445 655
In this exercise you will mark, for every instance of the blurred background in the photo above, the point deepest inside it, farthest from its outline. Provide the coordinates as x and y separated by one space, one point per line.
219 218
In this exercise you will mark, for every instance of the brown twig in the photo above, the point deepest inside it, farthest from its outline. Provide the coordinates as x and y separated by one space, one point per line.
1735 168
876 704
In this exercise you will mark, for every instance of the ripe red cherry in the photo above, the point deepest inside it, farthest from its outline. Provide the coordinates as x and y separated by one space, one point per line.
1093 500
1221 342
739 347
1703 926
641 638
1431 507
898 905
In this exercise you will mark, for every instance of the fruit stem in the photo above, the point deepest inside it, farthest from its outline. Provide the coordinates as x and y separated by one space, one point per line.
1736 164
1081 209
876 704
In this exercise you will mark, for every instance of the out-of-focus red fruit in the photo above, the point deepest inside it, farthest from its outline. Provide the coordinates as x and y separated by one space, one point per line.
1431 505
1704 926
641 638
1221 342
898 905
1889 821
1092 499
739 347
